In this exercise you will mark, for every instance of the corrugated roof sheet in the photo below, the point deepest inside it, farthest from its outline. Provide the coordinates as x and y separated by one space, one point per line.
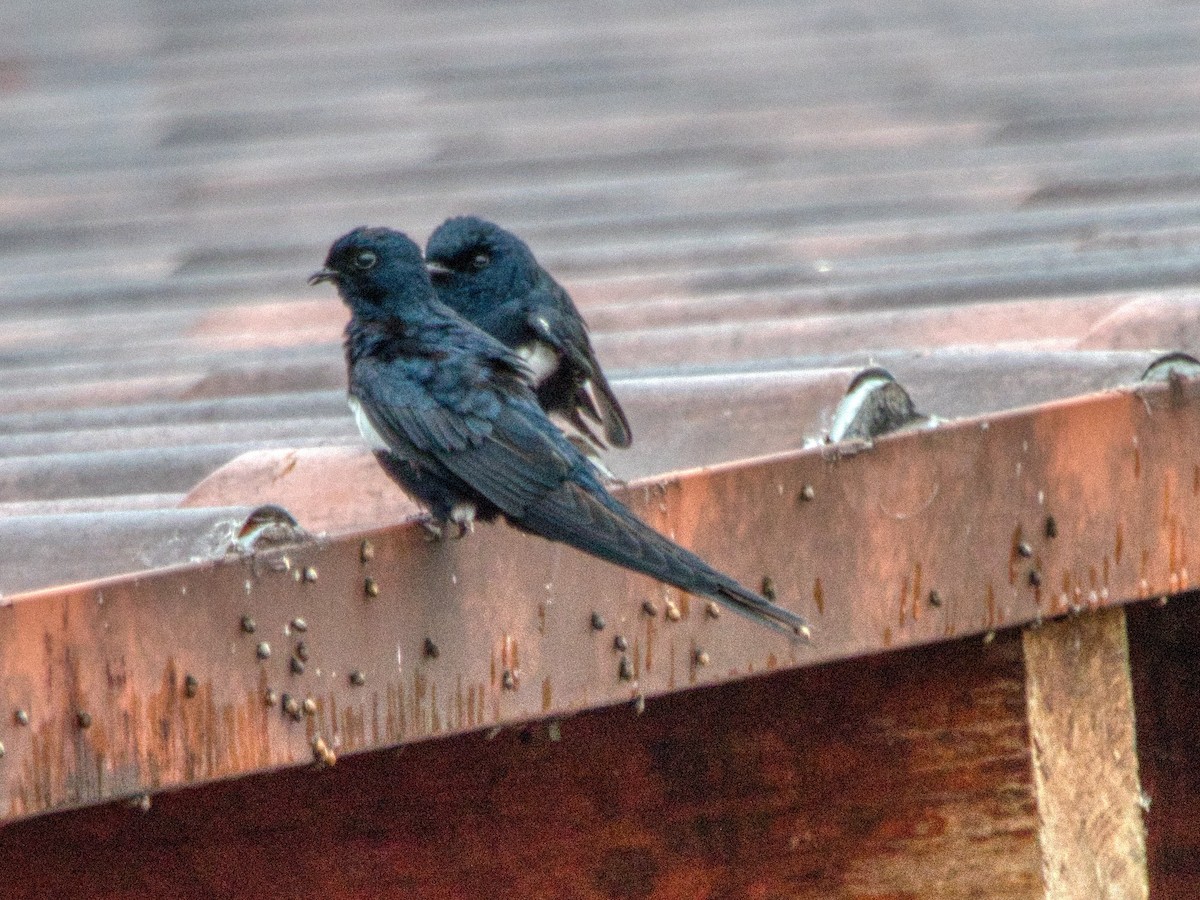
751 203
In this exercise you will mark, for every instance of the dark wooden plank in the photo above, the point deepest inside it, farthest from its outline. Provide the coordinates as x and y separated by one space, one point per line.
900 776
1164 645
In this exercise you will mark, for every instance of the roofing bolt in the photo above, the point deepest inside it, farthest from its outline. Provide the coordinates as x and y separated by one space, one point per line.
296 666
371 587
554 732
367 551
807 493
1024 549
249 625
714 611
299 624
430 649
83 719
309 706
270 698
649 608
989 637
509 680
140 802
263 650
1035 577
190 685
291 706
639 704
357 678
768 588
1051 527
310 573
935 598
21 717
619 643
597 621
625 669
673 613
700 657
302 651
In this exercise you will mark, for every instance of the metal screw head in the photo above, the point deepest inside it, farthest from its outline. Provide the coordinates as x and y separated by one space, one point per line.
83 719
807 493
1051 527
625 669
713 610
270 697
768 588
597 621
191 685
322 753
310 573
309 706
639 704
430 649
700 657
357 678
508 680
298 624
2 750
249 625
302 651
935 598
263 650
619 643
370 587
367 551
1024 549
649 608
21 717
296 666
141 803
1035 577
673 613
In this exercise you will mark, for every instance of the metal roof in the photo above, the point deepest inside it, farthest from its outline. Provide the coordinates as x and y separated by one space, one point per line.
752 204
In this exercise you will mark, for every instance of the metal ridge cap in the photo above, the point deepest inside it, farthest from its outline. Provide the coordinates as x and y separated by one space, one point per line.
924 535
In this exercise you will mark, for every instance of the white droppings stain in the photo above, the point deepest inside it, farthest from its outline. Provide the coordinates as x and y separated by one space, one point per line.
1041 498
399 659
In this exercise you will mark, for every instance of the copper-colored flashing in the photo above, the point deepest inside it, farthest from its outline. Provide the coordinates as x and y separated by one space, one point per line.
928 534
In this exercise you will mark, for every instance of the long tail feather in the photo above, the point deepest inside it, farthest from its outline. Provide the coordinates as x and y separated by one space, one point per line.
603 528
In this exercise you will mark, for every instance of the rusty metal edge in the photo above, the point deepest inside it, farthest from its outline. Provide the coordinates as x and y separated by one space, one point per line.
131 685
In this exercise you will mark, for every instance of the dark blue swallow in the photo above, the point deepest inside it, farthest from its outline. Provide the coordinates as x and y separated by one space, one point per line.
451 415
490 277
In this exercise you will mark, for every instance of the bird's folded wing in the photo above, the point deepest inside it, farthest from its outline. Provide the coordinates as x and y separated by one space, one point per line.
500 446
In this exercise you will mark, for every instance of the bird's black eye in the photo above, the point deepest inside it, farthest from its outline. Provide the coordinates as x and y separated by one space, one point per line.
365 259
480 261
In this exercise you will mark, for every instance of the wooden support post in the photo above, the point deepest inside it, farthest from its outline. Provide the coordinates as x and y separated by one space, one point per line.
1081 727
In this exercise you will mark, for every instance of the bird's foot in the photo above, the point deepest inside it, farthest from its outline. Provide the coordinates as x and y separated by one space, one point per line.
463 515
434 530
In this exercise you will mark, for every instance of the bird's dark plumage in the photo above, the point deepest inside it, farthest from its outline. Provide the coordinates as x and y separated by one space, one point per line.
490 277
452 418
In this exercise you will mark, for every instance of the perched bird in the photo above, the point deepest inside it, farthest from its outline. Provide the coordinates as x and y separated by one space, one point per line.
453 420
490 277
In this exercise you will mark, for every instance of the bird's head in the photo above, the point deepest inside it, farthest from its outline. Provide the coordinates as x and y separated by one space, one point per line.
375 268
476 263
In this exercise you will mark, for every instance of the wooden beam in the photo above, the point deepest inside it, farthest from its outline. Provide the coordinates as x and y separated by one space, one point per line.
1164 644
1081 724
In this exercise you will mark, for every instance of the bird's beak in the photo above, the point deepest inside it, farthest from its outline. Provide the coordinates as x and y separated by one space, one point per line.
326 274
436 268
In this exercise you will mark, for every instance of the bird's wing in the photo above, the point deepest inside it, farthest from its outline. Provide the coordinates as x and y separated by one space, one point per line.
499 444
556 321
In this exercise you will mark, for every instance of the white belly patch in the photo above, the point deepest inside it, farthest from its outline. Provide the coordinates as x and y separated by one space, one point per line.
373 438
541 358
